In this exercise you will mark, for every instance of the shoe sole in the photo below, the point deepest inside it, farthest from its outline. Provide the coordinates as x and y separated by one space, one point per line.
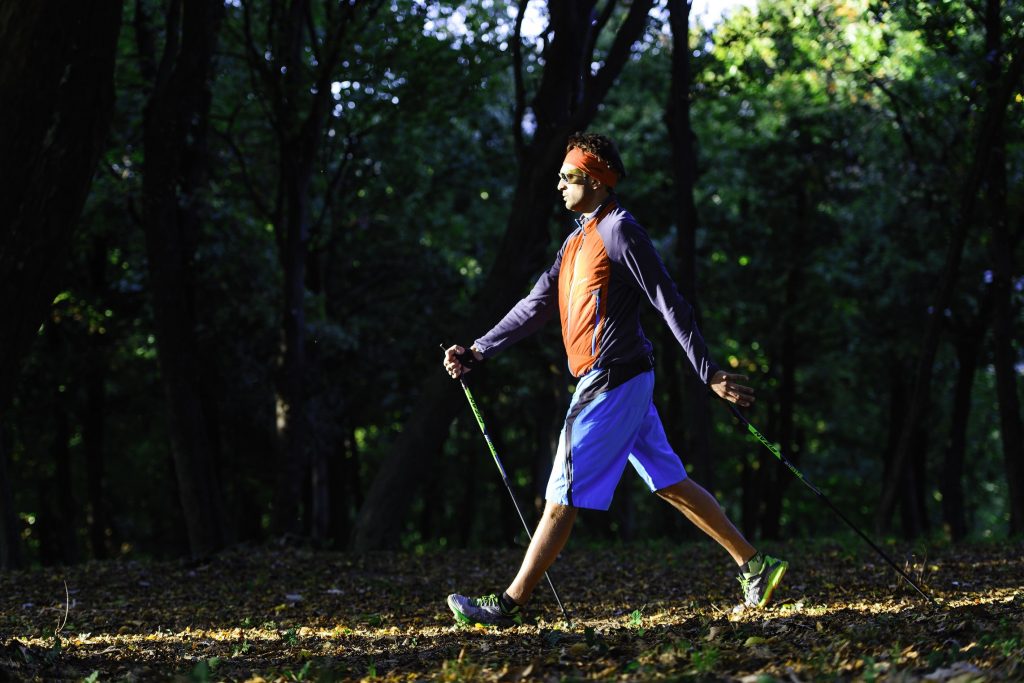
459 616
773 581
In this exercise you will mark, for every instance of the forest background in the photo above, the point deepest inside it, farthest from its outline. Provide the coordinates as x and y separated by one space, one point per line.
237 232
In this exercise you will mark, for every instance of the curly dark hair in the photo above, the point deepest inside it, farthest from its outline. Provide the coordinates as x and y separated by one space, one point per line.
601 147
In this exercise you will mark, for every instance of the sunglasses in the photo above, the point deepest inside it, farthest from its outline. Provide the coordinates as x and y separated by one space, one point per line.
573 178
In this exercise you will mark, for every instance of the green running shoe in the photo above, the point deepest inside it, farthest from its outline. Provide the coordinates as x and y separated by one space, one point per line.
484 610
759 586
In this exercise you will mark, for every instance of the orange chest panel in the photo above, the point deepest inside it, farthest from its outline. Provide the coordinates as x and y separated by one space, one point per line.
582 297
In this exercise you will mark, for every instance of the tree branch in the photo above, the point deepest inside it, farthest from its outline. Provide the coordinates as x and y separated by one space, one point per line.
601 82
595 31
520 87
171 43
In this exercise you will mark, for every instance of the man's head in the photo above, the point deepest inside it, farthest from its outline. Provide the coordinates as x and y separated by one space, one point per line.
589 172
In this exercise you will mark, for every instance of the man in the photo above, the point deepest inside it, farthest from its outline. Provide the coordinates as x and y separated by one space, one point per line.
602 273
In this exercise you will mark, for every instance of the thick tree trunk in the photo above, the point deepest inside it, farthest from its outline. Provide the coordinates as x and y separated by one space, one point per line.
566 101
696 409
174 138
56 100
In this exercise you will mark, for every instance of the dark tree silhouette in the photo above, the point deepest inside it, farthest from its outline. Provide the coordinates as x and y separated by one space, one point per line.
56 101
175 128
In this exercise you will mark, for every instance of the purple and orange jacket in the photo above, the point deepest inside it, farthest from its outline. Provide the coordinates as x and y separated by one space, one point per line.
604 269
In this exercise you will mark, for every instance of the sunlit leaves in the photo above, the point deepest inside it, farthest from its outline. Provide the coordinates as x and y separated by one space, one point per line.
640 613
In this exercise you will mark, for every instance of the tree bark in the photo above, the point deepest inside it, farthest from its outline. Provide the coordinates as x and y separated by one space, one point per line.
696 408
56 102
566 101
175 123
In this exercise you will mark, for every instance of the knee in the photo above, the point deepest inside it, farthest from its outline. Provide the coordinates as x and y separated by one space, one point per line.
677 492
556 511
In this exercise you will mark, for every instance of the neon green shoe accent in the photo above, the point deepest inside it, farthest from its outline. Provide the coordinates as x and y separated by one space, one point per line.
759 586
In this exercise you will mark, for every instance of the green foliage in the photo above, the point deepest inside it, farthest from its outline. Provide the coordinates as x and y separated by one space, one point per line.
636 620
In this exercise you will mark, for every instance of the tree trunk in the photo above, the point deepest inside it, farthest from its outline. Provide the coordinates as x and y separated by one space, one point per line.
62 515
174 138
989 132
94 413
293 364
56 101
93 433
696 407
951 482
897 417
968 352
10 539
300 102
60 506
566 101
345 469
1003 315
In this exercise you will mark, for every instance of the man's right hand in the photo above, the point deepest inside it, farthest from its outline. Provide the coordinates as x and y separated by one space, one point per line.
452 365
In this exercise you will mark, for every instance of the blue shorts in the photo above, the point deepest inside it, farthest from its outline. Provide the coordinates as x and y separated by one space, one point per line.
609 423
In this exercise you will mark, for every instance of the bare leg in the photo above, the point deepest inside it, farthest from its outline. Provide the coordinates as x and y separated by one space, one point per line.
701 508
548 540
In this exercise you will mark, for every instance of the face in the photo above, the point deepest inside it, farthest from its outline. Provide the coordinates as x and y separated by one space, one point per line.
580 192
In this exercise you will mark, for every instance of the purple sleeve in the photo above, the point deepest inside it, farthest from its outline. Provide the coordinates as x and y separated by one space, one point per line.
527 316
631 247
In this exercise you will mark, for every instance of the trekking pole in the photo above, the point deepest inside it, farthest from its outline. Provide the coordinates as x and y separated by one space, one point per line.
799 475
463 358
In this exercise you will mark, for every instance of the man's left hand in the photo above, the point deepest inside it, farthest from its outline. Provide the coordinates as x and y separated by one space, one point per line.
725 385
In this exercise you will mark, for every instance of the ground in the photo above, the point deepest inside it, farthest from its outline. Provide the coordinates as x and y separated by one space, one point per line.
638 612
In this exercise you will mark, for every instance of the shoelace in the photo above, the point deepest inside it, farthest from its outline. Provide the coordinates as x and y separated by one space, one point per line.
487 601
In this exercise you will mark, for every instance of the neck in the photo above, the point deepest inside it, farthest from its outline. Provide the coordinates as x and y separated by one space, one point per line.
595 202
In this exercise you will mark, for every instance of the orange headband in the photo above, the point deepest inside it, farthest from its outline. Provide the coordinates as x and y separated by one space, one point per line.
592 166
